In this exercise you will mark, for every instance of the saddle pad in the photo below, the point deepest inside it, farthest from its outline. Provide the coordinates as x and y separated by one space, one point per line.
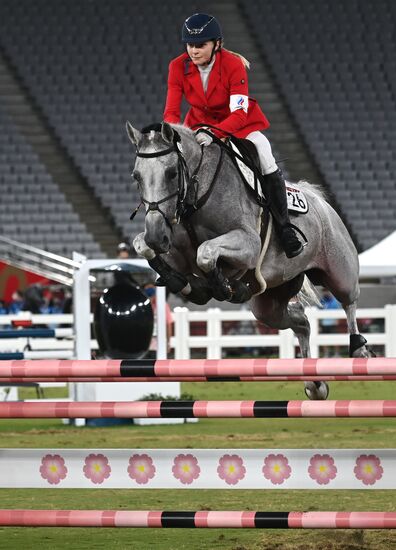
296 200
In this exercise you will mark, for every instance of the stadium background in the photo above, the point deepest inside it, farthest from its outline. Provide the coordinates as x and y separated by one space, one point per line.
73 72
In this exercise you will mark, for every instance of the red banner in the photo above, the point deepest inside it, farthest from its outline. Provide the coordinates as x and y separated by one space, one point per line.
13 278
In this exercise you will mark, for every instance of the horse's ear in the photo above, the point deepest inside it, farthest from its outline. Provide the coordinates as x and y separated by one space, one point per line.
133 134
167 132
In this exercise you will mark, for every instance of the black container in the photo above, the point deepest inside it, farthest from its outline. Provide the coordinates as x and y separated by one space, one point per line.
123 322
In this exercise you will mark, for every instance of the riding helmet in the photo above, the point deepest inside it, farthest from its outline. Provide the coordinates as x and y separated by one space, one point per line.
200 28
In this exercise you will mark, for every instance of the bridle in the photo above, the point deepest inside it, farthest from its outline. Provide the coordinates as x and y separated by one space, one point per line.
183 184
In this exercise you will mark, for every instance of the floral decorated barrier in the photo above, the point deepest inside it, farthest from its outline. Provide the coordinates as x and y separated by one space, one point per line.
198 468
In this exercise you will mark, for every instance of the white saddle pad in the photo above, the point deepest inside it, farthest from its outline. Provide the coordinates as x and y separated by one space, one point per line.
296 200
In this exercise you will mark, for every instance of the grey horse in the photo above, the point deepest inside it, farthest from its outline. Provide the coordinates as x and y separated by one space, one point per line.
207 236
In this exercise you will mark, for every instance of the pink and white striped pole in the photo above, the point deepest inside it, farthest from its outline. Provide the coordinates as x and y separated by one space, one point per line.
373 366
201 519
198 409
326 378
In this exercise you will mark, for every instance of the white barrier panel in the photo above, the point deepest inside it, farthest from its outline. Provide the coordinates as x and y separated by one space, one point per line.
198 468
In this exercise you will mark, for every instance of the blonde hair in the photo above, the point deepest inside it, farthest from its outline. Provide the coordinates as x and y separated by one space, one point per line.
245 62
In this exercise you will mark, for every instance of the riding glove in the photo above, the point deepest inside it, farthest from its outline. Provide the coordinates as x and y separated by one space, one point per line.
203 138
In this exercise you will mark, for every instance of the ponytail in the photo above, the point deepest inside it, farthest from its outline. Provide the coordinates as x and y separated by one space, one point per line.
245 62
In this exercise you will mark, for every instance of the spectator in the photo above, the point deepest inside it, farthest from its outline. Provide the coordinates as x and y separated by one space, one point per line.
33 299
123 251
17 302
124 277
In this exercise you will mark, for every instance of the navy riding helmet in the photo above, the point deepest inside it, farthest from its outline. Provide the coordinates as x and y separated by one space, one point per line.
200 28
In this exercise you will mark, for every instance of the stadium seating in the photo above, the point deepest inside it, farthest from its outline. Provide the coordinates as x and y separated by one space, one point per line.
91 65
32 208
335 64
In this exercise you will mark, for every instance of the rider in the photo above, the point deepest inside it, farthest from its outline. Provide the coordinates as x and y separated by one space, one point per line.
214 83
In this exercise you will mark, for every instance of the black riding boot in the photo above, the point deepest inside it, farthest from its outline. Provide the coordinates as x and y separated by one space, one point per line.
274 190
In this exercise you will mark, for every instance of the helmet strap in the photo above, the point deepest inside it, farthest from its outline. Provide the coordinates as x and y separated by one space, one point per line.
213 52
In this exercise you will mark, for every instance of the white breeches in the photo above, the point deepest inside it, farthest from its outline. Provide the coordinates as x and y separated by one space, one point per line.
267 161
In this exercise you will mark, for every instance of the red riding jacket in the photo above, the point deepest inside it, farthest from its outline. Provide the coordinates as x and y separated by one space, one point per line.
226 104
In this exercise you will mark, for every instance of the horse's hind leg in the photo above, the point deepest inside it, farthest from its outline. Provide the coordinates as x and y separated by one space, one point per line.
274 310
357 342
346 291
301 328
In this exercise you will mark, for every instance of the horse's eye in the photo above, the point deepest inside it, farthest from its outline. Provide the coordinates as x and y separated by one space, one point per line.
171 173
136 176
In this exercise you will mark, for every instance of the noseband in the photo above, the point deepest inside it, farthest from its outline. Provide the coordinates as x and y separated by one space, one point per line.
183 182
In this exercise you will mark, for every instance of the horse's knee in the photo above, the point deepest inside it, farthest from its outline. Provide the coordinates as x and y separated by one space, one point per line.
141 247
207 257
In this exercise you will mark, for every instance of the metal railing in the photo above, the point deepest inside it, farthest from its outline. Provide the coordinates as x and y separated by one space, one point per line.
30 258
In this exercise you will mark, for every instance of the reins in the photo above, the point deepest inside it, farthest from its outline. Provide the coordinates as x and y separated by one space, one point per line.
187 188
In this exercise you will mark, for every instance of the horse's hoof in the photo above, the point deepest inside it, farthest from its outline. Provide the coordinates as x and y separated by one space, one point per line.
364 351
241 292
316 391
220 285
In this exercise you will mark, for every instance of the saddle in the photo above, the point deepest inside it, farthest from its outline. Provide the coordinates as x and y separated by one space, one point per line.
246 160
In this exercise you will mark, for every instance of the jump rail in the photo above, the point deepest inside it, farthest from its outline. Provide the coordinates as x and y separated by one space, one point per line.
324 377
202 519
377 366
198 409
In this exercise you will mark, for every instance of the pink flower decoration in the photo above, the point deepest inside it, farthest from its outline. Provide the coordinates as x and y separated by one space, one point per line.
53 468
96 468
141 468
368 469
231 469
185 468
322 469
276 468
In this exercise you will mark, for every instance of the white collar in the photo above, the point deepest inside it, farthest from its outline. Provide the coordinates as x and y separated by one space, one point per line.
209 67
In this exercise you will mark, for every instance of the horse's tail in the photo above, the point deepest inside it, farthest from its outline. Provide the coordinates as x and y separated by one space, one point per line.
308 295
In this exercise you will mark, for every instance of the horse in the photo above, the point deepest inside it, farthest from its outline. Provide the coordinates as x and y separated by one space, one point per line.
207 237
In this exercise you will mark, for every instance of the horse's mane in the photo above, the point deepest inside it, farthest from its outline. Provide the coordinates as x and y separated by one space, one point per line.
184 131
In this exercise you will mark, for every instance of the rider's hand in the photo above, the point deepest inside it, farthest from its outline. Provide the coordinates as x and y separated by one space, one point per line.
203 138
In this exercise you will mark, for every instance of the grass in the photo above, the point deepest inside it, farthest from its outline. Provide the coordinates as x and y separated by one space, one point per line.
210 433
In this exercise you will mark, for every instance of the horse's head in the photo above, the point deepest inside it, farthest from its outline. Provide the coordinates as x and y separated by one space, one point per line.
161 173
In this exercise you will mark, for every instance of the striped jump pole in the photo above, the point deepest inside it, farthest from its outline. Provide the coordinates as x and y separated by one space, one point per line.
202 519
373 366
76 379
198 409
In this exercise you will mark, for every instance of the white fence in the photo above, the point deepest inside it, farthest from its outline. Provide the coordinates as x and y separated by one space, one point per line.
215 342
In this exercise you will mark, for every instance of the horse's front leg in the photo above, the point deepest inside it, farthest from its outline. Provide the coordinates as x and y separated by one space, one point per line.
169 277
240 249
193 288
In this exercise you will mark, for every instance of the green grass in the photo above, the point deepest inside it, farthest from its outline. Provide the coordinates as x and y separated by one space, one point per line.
210 433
